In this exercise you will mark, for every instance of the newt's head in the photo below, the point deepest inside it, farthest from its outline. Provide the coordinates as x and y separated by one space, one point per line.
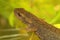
19 12
23 15
26 17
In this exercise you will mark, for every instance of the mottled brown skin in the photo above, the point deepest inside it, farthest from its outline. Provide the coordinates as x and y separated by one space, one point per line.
43 30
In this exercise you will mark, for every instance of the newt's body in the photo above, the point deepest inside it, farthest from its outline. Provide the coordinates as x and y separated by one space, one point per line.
42 29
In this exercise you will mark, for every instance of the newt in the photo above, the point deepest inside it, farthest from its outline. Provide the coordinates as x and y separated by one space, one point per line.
41 28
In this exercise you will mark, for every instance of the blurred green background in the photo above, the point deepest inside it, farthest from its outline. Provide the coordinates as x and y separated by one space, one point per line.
48 10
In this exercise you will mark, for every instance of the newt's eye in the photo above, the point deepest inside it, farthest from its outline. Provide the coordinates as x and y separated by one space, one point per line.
18 14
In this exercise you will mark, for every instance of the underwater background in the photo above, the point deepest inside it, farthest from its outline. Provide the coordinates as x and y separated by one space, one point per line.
10 26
